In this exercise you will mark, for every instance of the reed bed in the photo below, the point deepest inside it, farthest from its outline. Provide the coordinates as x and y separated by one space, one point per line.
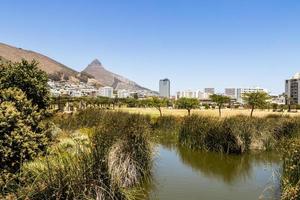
108 160
236 134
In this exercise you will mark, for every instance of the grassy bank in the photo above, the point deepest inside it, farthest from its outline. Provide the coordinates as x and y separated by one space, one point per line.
106 157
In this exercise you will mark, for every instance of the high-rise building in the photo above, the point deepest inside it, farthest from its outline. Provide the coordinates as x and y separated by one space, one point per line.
230 92
164 88
209 90
292 89
241 91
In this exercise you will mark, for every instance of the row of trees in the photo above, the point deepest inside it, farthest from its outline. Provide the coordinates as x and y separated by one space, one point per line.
253 100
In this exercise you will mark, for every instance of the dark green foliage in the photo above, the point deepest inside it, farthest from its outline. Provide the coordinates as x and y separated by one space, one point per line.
27 77
22 135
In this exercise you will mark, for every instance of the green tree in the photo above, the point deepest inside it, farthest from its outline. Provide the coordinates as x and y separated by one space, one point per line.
22 135
27 77
220 100
188 104
159 103
256 100
274 106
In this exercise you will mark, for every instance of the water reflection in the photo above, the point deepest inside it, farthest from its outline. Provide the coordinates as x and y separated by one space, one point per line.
228 168
181 173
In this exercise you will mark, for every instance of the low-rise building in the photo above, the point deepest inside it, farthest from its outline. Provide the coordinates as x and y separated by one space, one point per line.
241 91
123 94
106 92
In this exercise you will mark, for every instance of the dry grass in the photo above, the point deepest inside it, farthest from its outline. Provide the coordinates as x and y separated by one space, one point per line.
211 112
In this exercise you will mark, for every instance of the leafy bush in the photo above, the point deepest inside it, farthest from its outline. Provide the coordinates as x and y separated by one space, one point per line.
22 135
27 77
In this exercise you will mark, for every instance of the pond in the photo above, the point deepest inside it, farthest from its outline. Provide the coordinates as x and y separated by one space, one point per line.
182 173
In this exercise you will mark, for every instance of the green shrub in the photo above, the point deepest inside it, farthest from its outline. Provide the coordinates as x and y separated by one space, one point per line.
22 133
27 77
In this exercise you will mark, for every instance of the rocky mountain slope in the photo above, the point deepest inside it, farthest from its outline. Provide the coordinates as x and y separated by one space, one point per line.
108 78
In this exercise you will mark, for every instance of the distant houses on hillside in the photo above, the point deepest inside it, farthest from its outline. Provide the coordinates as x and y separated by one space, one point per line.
63 88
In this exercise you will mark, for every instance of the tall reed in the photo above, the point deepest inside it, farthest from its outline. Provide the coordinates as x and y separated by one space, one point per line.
236 134
112 164
291 171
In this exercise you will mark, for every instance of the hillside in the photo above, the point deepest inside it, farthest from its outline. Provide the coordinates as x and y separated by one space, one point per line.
54 69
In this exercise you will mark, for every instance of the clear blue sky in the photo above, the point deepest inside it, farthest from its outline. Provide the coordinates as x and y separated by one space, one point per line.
196 44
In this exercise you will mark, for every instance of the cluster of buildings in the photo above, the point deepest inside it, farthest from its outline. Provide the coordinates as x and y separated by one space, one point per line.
235 94
291 95
63 88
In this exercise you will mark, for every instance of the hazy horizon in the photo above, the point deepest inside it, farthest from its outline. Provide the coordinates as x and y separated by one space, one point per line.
195 44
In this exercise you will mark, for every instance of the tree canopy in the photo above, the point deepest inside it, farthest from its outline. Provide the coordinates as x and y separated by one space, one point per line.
220 100
159 103
256 100
187 103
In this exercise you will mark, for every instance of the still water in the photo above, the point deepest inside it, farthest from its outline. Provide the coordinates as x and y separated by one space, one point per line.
183 174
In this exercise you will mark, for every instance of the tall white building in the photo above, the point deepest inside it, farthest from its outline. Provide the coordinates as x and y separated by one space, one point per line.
241 91
164 88
106 92
292 89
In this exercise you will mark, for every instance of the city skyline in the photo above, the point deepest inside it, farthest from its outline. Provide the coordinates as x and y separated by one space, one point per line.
195 44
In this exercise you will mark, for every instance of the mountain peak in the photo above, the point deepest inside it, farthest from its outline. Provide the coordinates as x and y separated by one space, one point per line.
96 62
